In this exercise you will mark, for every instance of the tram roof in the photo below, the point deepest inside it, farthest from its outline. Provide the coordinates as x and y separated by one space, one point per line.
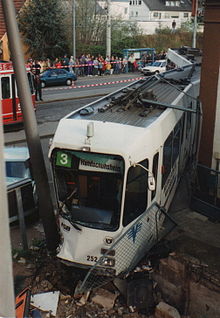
120 108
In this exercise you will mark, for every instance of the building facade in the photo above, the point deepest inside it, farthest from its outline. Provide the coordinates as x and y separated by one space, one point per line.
118 9
152 14
4 51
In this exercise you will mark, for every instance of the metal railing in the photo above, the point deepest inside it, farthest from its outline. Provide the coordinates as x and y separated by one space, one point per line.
21 202
206 192
130 248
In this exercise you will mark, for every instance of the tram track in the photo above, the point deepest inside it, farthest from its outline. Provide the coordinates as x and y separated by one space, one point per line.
71 98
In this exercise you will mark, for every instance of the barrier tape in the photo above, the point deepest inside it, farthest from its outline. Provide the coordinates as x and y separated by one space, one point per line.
101 63
100 84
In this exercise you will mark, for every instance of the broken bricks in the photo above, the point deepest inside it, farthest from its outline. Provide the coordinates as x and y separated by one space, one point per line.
104 298
163 310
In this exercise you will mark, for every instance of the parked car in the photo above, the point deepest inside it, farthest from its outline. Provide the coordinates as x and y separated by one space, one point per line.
57 77
158 66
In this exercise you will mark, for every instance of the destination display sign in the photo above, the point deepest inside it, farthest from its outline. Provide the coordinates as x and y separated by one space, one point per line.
101 165
89 162
8 66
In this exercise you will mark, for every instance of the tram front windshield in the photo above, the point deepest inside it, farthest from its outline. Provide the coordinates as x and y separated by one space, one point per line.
89 188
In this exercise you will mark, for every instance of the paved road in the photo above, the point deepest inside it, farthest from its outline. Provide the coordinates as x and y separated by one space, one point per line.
90 86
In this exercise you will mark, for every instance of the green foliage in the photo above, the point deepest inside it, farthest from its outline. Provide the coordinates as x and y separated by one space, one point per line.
164 39
40 23
124 35
92 49
90 22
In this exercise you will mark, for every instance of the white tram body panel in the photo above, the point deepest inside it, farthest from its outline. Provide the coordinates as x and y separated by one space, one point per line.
106 152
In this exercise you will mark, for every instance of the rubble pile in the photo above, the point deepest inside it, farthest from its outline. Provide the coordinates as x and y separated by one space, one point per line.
46 277
165 285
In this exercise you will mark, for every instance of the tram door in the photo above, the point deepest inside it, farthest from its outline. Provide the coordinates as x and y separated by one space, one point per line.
14 103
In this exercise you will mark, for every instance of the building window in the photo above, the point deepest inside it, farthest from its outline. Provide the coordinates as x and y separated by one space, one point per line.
173 3
136 13
185 14
155 14
175 16
140 2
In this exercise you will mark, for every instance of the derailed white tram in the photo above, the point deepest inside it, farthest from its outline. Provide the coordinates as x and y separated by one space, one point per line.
112 159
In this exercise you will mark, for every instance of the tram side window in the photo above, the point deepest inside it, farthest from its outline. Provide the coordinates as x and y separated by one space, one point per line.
136 193
188 122
5 86
155 169
171 151
176 142
167 158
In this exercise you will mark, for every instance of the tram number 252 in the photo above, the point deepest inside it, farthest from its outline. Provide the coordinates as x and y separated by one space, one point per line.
92 258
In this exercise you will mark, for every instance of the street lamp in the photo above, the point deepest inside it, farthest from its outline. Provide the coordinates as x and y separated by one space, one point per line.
108 30
194 14
74 27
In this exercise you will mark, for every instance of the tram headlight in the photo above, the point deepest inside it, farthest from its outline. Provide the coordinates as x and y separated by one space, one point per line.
107 261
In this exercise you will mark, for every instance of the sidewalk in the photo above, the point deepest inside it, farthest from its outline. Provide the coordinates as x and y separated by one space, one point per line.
196 234
46 130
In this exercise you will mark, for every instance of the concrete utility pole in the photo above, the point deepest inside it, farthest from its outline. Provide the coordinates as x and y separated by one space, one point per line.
31 129
7 304
194 13
74 27
108 30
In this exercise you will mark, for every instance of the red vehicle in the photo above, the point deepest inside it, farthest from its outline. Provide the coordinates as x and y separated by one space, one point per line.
11 109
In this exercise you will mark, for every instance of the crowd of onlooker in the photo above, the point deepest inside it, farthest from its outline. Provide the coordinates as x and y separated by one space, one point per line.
89 65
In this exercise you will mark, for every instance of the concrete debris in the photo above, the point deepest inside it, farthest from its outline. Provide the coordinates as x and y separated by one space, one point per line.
22 260
131 315
45 285
34 248
15 255
164 310
132 308
39 228
47 302
65 297
104 298
83 299
30 266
